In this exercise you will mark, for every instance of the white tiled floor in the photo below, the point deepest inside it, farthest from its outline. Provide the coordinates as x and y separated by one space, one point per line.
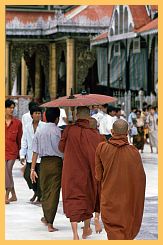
23 218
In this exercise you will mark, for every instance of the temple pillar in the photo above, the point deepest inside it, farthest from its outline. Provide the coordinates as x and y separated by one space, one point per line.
7 69
70 83
37 78
52 71
23 77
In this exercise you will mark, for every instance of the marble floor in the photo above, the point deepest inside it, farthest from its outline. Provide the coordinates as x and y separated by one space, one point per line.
22 219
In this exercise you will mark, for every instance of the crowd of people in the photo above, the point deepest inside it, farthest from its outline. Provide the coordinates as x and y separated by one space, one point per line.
94 160
143 126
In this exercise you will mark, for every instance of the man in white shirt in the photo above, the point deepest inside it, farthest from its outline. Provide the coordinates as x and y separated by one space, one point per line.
104 121
26 150
105 126
101 112
62 119
45 145
26 118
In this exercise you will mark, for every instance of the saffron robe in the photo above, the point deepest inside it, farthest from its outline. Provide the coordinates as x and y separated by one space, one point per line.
119 168
79 186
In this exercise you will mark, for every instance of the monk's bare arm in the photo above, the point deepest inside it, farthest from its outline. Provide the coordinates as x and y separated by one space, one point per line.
98 164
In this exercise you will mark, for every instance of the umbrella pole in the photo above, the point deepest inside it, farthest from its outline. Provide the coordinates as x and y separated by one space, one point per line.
73 114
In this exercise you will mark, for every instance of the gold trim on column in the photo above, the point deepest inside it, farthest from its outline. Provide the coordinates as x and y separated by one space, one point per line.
23 77
70 83
53 71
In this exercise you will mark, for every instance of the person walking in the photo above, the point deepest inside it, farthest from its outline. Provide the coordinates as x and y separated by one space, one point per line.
152 124
45 145
26 150
13 134
26 118
138 139
79 186
119 167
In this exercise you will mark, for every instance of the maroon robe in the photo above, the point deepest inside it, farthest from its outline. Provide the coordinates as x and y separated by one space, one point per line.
79 186
120 170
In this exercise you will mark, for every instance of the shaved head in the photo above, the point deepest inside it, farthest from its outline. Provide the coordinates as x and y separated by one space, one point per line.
83 112
120 126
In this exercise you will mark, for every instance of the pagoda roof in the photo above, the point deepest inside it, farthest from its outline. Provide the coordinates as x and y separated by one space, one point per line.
151 27
97 14
28 17
82 18
143 25
139 15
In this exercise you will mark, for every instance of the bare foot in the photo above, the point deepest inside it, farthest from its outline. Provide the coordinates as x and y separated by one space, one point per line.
76 237
44 221
7 201
98 227
33 198
86 232
13 199
51 228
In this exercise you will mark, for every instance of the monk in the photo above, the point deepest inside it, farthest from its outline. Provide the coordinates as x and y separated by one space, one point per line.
118 166
79 186
98 228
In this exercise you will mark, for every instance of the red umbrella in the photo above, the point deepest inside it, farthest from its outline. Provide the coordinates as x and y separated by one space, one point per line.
82 99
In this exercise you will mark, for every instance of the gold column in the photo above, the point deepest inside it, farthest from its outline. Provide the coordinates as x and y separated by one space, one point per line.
53 71
7 69
70 83
23 77
37 78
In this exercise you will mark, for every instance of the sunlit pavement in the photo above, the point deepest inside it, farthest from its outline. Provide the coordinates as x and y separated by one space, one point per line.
23 218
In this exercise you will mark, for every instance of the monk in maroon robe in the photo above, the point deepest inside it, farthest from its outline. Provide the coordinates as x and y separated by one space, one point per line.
119 168
79 186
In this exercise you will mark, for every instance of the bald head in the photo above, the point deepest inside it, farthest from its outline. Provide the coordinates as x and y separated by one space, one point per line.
120 126
83 112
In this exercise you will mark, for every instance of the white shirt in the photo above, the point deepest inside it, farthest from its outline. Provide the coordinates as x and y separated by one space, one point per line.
46 141
26 119
62 115
27 139
106 124
98 116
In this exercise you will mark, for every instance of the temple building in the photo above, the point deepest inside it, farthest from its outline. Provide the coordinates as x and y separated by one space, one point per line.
102 48
130 47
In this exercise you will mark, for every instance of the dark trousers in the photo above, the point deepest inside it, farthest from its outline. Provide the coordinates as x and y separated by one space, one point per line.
35 186
50 183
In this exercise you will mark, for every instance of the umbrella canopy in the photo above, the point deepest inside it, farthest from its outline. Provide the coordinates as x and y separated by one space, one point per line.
83 99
